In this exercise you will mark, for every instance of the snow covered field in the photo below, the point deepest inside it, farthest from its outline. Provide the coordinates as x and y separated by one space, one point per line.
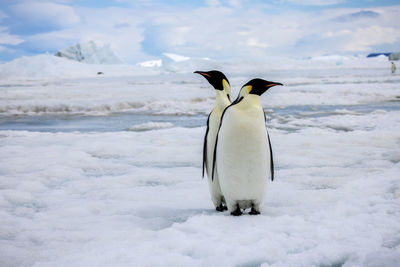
105 170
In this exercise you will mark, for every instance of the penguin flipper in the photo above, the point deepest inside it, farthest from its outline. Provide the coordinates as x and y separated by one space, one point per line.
270 151
205 146
271 157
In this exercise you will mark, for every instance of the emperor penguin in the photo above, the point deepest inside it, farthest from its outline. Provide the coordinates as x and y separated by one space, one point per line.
222 88
243 157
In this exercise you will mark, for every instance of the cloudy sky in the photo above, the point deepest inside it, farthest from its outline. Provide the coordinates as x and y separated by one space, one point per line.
219 29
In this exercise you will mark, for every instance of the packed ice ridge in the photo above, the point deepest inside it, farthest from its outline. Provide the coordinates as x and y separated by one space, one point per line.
50 66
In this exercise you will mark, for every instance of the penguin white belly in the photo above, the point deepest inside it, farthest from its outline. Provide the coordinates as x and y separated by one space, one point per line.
243 159
214 185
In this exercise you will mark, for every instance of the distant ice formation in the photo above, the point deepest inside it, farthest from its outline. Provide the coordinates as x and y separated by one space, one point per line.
46 66
90 53
394 56
50 66
166 59
390 55
151 63
175 57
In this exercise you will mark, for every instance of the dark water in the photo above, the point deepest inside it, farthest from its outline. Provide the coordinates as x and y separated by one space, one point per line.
110 123
123 121
313 111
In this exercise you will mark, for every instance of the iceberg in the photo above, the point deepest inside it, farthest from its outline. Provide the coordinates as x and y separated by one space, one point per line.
90 53
167 58
394 56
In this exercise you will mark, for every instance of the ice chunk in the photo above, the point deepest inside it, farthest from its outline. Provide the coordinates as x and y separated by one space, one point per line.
151 63
150 126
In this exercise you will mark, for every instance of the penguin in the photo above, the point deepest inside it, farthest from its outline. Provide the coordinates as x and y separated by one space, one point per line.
222 88
243 159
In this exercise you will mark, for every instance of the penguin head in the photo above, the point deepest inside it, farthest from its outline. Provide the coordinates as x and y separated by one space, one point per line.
217 79
256 87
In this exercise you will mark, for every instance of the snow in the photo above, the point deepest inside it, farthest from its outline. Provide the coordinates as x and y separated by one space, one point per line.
98 198
48 66
134 196
90 53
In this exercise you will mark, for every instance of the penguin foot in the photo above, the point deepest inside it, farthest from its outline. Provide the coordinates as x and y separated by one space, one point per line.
237 212
254 212
221 208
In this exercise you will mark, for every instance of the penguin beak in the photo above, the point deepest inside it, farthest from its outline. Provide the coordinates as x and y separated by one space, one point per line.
271 84
204 74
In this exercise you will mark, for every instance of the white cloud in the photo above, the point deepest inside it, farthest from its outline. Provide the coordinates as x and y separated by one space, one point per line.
213 3
235 3
336 34
363 39
42 13
316 2
2 15
7 50
178 35
253 42
218 30
6 38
